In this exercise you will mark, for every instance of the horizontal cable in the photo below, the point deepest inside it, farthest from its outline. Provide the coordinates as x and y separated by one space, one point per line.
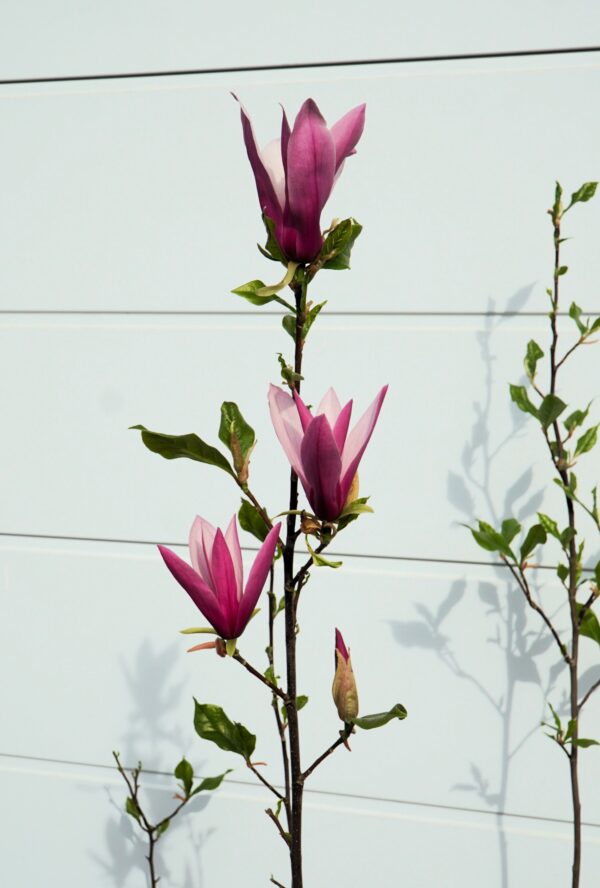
321 792
419 559
295 66
338 314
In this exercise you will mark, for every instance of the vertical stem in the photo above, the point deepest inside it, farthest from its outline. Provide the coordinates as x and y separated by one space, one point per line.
150 859
560 462
290 629
275 704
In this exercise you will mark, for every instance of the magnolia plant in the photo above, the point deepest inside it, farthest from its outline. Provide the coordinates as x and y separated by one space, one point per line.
566 442
294 177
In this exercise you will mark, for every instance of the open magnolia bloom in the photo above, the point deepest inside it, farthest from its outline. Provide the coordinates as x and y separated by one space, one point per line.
215 580
296 174
321 450
345 695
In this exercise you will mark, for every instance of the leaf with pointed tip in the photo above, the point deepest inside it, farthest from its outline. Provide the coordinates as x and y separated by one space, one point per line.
536 536
575 314
162 827
210 783
520 397
585 742
311 318
510 528
251 292
185 773
587 441
550 409
132 808
585 193
184 446
490 540
532 356
238 436
379 719
549 525
252 521
318 560
338 244
589 625
576 418
288 322
211 723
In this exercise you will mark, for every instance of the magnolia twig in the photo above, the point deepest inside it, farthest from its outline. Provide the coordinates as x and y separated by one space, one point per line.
285 836
272 687
265 782
589 693
341 741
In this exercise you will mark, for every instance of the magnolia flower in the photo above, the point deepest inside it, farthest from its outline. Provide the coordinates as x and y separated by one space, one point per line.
345 695
215 580
296 174
321 451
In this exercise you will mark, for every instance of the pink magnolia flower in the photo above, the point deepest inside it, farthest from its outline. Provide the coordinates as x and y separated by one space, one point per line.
296 173
345 695
322 452
215 580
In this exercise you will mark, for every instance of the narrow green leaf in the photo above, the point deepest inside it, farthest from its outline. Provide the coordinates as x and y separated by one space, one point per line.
311 318
556 717
532 356
587 441
212 724
187 446
536 536
570 728
379 719
132 808
597 574
252 521
550 409
162 827
519 396
585 742
595 325
557 207
288 322
185 773
198 630
562 571
510 528
491 540
589 625
210 783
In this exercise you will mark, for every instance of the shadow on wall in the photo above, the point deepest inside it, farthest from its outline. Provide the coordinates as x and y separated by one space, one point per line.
504 610
152 727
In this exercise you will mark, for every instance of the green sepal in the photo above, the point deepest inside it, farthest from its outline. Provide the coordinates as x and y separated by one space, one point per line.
230 646
212 724
184 446
198 630
351 511
379 719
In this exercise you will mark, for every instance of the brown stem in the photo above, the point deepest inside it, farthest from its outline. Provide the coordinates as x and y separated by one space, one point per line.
264 781
275 705
273 816
342 740
273 688
587 695
524 585
290 629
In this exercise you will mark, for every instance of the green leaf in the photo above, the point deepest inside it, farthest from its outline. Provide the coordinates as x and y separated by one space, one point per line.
319 560
587 441
510 528
490 540
556 717
519 396
532 356
562 270
597 574
567 535
557 208
210 783
585 742
585 193
271 250
185 773
550 409
352 511
162 827
549 525
562 571
378 719
536 536
212 724
287 371
337 247
576 418
188 446
252 521
132 808
301 701
589 624
575 314
311 318
288 322
238 436
595 325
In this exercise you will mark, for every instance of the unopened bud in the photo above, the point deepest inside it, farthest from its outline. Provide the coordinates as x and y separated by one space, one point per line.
345 695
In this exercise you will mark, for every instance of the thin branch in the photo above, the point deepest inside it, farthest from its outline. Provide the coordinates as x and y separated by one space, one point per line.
587 696
278 720
265 782
341 741
524 586
569 352
272 687
275 882
285 836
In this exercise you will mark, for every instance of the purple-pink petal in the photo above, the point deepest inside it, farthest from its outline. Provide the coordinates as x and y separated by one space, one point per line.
346 133
233 544
322 468
256 579
303 412
196 588
340 429
225 585
340 645
357 441
201 538
310 175
330 406
267 196
287 425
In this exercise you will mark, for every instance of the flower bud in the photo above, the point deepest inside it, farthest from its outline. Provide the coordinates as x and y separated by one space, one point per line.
345 695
